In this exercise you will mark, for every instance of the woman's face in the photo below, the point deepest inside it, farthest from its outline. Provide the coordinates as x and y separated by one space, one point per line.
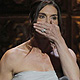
48 14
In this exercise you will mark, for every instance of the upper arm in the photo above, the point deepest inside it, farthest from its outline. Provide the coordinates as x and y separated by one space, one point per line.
5 67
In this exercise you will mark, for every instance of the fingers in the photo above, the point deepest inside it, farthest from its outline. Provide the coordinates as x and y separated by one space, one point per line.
56 26
41 26
46 28
40 30
46 25
42 33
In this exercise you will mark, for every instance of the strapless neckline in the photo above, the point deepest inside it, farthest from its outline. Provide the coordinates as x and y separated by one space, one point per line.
35 75
36 71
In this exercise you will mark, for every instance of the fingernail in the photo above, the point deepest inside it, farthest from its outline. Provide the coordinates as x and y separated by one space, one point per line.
35 23
34 26
38 22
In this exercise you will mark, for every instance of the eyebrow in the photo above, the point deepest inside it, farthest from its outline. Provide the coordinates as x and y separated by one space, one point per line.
43 14
51 15
54 15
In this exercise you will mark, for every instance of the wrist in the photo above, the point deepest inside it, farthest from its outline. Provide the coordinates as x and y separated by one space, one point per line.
60 40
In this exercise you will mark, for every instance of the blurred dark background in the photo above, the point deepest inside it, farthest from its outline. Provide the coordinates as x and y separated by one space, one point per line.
14 13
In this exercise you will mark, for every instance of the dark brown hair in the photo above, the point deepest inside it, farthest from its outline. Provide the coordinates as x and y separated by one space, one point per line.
37 5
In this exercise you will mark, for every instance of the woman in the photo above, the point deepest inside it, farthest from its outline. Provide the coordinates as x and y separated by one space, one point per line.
30 60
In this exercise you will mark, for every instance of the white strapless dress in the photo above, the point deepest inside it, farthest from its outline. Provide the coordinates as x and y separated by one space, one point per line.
36 75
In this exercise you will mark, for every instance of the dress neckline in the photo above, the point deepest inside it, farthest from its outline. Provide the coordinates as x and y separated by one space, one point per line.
34 72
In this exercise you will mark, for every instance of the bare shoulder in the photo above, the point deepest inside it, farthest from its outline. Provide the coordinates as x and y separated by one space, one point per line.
12 56
8 59
7 64
72 53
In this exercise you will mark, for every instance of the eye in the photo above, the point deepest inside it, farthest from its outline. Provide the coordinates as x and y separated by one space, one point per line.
54 17
41 16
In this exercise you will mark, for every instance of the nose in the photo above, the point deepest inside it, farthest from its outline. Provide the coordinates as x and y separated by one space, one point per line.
48 20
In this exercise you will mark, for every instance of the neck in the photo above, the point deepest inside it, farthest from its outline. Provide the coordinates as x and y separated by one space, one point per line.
42 43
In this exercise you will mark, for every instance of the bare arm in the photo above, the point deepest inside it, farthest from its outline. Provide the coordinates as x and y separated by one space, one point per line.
68 61
69 65
5 68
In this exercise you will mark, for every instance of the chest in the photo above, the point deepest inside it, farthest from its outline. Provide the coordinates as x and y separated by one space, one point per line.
33 62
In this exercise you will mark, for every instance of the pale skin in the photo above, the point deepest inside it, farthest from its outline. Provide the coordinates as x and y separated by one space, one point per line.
20 58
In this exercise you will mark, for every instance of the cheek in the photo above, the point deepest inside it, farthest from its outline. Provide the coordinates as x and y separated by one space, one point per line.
55 22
